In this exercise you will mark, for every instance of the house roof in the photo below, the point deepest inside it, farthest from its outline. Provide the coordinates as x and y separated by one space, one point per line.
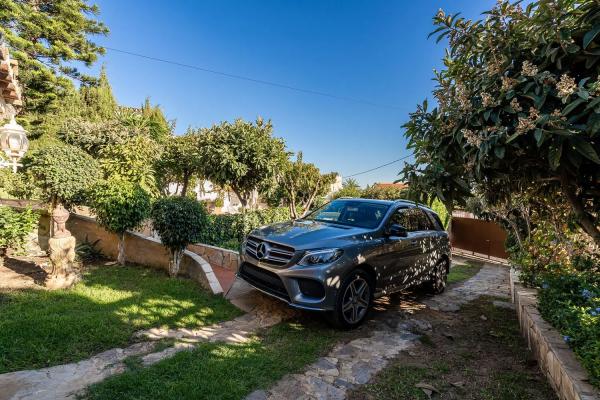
9 85
391 185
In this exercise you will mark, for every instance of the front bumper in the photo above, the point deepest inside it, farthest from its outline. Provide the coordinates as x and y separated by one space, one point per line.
292 284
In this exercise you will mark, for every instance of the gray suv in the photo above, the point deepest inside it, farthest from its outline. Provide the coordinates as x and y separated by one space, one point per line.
346 253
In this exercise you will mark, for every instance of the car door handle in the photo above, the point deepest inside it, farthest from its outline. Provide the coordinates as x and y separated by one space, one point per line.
414 241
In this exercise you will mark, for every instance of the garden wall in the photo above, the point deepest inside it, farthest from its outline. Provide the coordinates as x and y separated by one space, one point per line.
556 360
139 249
217 256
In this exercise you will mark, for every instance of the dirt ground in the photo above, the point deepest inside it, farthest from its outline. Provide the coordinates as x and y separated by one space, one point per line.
475 353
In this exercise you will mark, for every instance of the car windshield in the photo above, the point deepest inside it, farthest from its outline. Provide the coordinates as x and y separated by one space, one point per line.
361 214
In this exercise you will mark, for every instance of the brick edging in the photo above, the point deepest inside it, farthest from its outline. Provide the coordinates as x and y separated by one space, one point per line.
556 360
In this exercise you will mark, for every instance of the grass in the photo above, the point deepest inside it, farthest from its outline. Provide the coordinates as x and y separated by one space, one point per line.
462 272
223 371
40 328
486 360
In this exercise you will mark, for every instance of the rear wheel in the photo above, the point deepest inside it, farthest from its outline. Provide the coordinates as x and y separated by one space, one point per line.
438 278
354 300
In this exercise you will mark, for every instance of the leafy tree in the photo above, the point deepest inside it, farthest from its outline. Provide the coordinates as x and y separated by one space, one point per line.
133 160
518 107
302 183
97 99
242 155
179 222
46 37
383 192
350 188
64 173
119 206
15 226
180 161
94 136
159 128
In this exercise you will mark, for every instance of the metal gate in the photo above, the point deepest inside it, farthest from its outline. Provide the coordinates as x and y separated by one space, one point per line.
478 237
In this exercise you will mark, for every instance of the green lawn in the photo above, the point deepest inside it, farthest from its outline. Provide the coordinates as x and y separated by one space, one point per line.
462 272
41 328
223 371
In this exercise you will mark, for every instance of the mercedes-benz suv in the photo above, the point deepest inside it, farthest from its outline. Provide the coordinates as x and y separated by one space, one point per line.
346 253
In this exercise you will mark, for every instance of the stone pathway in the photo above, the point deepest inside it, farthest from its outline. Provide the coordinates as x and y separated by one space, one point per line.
66 381
354 363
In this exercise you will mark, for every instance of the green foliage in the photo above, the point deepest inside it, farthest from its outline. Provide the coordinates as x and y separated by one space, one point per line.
571 303
242 155
180 161
119 205
440 209
179 221
383 192
63 173
302 183
94 136
15 226
132 160
229 230
99 104
46 38
42 328
350 188
518 107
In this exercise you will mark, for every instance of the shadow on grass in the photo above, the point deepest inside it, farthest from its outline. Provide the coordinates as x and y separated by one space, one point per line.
40 328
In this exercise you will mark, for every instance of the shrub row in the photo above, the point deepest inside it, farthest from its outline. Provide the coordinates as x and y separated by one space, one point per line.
228 230
571 303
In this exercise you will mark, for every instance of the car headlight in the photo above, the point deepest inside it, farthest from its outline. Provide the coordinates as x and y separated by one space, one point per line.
317 257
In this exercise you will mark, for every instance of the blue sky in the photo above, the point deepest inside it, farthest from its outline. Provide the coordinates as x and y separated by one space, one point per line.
374 50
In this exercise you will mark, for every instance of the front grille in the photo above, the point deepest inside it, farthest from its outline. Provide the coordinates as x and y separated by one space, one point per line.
264 280
276 254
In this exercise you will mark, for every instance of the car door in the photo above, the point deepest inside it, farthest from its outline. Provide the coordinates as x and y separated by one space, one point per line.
399 253
423 236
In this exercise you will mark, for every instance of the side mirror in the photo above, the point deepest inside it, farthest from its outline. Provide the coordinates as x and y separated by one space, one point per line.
396 230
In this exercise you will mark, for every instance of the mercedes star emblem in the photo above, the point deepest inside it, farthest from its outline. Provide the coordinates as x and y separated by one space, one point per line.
262 251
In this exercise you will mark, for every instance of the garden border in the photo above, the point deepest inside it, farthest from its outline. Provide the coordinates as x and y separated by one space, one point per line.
562 369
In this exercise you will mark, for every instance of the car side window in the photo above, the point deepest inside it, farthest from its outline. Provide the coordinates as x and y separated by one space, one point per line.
405 217
424 222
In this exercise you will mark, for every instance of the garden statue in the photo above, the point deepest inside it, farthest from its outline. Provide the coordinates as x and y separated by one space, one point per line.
61 249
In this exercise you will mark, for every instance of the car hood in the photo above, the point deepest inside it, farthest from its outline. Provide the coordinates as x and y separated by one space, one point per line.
310 234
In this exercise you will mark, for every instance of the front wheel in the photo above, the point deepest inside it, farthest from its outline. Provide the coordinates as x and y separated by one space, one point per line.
438 278
353 300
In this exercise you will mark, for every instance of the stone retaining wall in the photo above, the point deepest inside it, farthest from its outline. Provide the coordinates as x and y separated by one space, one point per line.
564 372
217 256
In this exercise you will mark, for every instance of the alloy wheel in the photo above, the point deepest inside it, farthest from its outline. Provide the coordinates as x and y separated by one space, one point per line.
355 302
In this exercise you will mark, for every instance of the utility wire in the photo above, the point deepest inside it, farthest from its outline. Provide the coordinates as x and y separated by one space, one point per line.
381 166
254 80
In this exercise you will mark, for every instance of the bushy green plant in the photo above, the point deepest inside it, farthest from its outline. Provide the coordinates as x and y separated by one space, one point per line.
571 303
64 173
226 230
15 226
381 192
179 221
119 206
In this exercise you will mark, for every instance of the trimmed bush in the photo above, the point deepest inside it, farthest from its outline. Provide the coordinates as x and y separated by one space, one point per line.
119 206
179 221
228 230
15 226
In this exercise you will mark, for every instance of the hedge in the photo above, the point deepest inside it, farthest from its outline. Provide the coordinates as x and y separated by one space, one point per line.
228 230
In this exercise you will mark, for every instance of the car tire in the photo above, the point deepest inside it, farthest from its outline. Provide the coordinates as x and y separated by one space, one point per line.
354 300
438 278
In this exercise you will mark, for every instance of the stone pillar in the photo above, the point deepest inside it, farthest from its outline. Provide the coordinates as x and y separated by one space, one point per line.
61 250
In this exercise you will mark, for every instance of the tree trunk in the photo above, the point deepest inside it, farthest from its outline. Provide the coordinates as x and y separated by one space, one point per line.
583 218
310 200
174 262
186 182
243 199
121 255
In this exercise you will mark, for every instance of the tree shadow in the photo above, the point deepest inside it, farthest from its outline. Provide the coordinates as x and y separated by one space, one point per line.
27 267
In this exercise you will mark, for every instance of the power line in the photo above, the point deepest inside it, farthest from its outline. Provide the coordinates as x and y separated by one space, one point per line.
254 80
381 166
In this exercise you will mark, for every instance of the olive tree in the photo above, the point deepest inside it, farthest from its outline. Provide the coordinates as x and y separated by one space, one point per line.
242 155
302 183
120 205
179 222
180 161
518 108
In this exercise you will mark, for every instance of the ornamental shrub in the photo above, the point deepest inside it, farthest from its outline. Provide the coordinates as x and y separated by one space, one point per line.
14 227
119 206
228 230
64 173
571 303
179 221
